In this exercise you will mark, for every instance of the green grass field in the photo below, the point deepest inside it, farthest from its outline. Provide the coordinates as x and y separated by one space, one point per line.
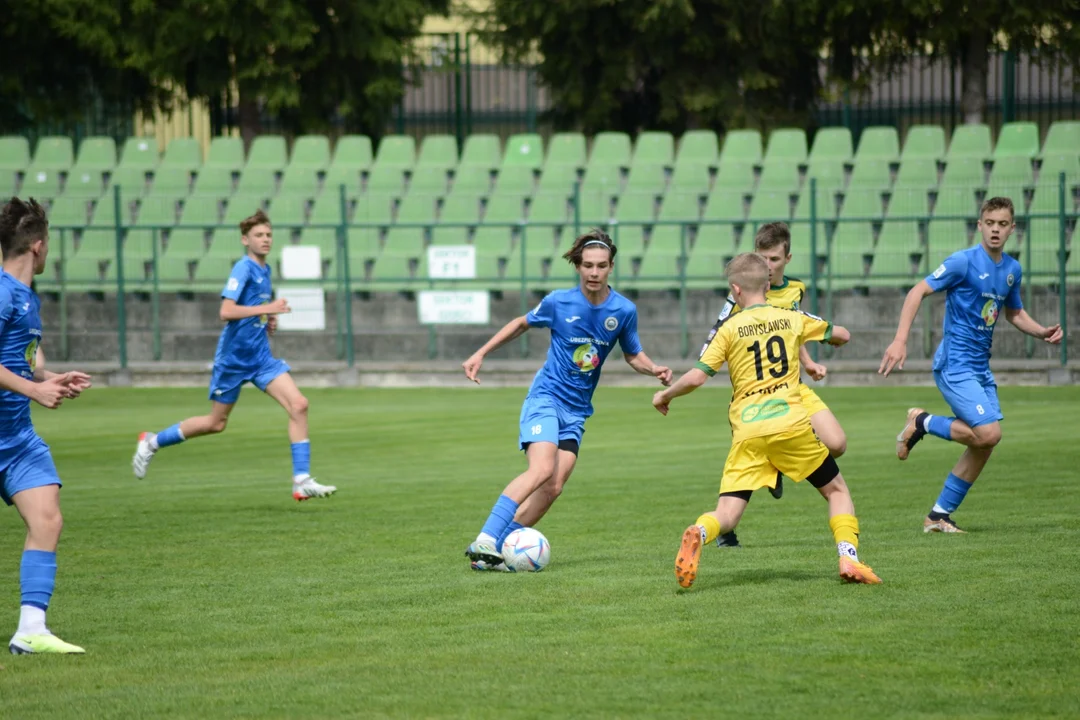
206 591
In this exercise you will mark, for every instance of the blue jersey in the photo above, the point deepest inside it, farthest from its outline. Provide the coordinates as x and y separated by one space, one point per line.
20 335
582 335
244 343
976 288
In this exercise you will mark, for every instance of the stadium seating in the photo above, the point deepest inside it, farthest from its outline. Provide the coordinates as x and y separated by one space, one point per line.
884 208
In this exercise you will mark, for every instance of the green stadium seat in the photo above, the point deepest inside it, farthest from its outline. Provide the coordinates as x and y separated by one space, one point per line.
14 153
363 245
9 183
594 209
659 270
826 207
787 146
691 178
225 152
183 153
298 180
460 210
871 172
1072 265
601 180
374 208
472 179
610 149
551 212
157 212
495 234
676 208
134 180
394 273
175 274
970 141
778 176
414 210
84 183
214 180
742 147
226 240
524 150
288 211
41 183
327 210
53 153
1043 235
83 275
97 243
190 242
323 238
212 272
438 151
338 175
918 172
654 148
268 153
827 173
1053 165
831 143
311 151
956 201
139 152
899 246
1013 171
429 180
396 150
1019 139
171 181
726 207
964 172
517 179
201 210
924 141
96 153
566 149
257 181
646 178
352 151
736 176
854 230
878 143
558 178
69 211
770 206
946 232
705 268
1063 138
700 147
386 179
481 150
633 211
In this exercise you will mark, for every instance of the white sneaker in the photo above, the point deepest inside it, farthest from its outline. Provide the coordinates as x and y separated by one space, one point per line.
308 488
143 455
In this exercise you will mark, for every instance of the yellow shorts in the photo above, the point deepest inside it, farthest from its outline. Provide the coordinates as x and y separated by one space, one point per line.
753 463
811 401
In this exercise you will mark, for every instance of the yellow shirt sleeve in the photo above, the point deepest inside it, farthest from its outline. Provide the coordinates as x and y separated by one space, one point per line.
814 328
715 354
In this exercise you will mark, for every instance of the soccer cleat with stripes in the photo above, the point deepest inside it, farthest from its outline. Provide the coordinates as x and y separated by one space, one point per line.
41 643
143 455
308 488
910 435
484 556
941 525
728 540
686 562
853 571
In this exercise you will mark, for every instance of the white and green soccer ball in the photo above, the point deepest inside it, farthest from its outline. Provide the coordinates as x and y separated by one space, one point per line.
526 550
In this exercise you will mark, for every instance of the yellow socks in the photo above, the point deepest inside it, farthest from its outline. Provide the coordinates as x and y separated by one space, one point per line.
712 527
845 530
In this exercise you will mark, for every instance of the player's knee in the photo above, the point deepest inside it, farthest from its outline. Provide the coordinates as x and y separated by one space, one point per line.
987 436
218 424
48 523
300 405
542 471
838 446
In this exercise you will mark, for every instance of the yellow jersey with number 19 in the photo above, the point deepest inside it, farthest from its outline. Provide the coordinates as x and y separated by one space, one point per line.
760 344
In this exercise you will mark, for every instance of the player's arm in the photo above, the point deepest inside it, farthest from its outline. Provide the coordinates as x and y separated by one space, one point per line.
74 381
642 364
509 332
688 383
231 311
815 369
1027 325
896 353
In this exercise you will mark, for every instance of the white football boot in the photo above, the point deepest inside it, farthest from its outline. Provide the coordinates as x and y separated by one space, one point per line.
143 455
307 488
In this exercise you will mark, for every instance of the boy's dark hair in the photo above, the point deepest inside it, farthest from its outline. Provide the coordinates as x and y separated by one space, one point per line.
594 238
259 218
997 203
772 234
22 223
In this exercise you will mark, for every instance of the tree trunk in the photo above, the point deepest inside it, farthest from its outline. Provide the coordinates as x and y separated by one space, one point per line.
248 111
975 56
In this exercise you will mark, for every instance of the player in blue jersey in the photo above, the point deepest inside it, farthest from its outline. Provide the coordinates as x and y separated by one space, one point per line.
243 355
978 281
28 477
585 322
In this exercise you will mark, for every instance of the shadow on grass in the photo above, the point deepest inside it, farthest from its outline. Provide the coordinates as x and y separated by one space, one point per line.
724 580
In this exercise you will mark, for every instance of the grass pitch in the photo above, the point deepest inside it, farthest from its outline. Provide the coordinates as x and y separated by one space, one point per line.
206 591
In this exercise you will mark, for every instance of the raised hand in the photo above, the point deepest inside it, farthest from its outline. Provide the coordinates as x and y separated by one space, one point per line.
75 382
660 402
895 355
276 307
1053 334
663 374
50 393
817 371
472 367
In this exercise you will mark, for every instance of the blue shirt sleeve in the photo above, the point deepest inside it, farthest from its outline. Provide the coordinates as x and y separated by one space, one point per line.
543 315
1012 299
235 284
949 273
628 338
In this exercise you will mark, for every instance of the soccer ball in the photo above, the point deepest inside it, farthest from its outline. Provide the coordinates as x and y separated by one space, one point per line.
526 550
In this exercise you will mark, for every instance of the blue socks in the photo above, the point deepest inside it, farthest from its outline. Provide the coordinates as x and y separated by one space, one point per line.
939 426
502 514
37 578
301 457
506 533
170 436
951 495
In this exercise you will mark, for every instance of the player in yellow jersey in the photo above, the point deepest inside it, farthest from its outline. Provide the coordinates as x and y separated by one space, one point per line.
773 242
770 425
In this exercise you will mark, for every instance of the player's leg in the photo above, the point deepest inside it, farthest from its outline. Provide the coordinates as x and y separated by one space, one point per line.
32 484
282 387
211 424
971 404
538 503
825 425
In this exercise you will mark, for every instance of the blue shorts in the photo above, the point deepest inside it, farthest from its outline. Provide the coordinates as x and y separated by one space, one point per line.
545 420
972 397
225 383
25 466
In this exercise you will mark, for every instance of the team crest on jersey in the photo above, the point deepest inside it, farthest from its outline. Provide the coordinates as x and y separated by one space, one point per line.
990 313
587 358
233 284
1010 280
611 323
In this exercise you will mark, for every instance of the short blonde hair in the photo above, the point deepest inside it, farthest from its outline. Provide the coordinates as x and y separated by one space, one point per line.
749 271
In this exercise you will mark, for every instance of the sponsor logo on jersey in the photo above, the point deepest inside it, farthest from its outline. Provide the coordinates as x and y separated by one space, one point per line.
990 313
586 357
767 410
940 270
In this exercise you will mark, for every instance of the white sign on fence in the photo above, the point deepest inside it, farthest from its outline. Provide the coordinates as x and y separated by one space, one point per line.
456 307
451 261
308 308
